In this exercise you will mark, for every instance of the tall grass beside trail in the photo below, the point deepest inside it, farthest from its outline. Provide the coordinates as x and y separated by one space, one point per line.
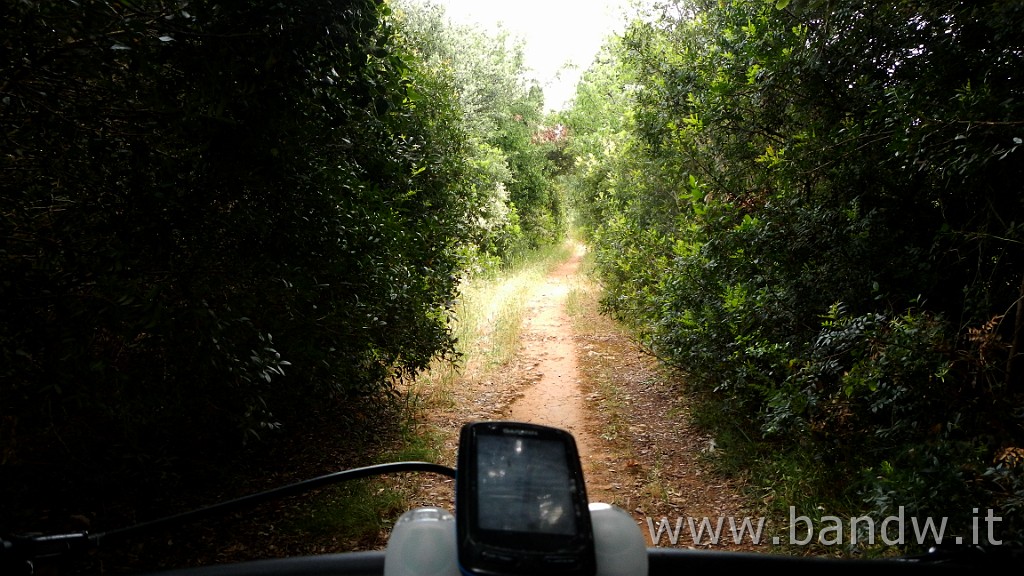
488 323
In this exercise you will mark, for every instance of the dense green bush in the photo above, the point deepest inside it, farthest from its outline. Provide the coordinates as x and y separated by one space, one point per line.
813 208
218 218
513 201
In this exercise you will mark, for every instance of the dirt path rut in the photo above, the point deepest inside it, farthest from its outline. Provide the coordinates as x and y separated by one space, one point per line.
576 369
556 397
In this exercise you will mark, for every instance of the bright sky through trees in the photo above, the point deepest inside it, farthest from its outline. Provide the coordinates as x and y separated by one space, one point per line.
562 36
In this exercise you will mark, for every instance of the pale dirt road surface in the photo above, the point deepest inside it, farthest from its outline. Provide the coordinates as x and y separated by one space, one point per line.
578 370
556 396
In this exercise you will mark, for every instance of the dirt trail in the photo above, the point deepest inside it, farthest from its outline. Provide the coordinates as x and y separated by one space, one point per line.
579 370
556 398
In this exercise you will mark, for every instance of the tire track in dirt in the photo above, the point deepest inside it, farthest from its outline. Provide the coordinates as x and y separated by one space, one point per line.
556 398
630 416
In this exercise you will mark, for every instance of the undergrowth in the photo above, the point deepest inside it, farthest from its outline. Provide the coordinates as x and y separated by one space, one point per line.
487 324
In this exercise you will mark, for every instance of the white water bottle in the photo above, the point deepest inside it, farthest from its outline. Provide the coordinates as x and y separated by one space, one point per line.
422 544
619 544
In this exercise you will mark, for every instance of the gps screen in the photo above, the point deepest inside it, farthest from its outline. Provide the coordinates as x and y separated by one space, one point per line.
524 485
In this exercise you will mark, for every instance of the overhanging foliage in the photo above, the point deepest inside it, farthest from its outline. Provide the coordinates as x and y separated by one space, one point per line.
814 210
217 219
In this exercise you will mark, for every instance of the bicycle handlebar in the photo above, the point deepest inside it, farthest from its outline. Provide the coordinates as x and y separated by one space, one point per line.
23 551
661 562
19 550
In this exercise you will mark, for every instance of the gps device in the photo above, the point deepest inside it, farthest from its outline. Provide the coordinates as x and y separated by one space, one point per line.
520 502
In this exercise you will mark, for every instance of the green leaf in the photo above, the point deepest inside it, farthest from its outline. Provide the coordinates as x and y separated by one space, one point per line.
781 4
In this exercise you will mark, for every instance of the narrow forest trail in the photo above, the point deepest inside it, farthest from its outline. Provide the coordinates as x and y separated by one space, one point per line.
556 396
576 369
